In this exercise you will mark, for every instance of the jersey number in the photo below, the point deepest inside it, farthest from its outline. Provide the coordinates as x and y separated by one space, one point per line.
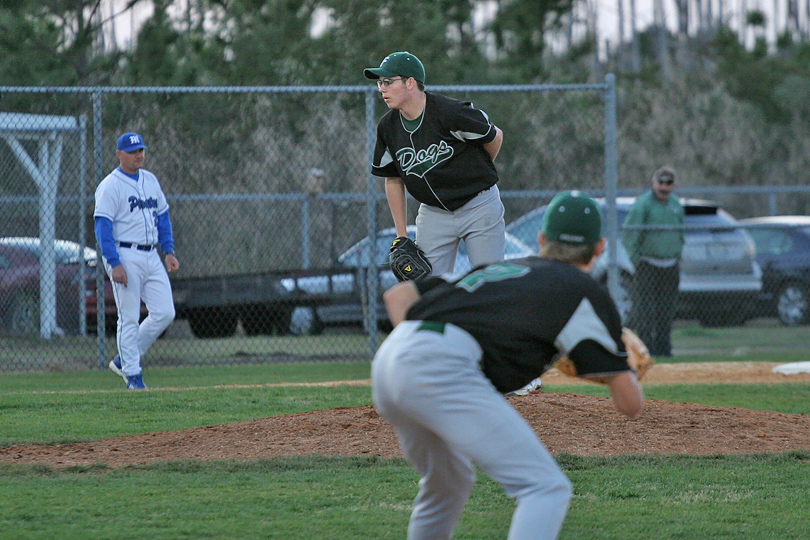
493 272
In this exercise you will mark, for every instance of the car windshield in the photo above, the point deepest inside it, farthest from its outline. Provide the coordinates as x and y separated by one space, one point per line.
775 239
707 221
525 229
698 215
358 255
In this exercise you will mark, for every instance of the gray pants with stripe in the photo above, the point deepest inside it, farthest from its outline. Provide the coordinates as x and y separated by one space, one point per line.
479 223
448 417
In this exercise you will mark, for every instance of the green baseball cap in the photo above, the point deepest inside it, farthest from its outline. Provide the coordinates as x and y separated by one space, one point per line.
573 218
398 63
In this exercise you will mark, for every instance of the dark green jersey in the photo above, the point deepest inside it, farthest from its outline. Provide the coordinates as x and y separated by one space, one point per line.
658 244
526 312
442 162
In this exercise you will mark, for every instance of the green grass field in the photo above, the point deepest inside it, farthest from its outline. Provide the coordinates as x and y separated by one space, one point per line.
754 497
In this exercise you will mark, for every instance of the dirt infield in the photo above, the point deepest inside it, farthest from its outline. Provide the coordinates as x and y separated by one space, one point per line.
574 424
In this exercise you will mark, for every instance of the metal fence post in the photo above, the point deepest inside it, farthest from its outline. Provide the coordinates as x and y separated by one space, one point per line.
82 222
373 275
305 233
611 185
98 163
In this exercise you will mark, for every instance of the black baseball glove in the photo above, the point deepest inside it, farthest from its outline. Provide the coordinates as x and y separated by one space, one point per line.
407 261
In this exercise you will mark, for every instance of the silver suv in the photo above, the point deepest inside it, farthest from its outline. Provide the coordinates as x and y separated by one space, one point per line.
720 278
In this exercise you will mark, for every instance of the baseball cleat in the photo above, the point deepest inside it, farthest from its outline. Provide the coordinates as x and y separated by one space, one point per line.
115 366
135 382
536 384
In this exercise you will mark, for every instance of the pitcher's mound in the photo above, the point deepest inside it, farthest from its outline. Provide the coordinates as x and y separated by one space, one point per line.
569 423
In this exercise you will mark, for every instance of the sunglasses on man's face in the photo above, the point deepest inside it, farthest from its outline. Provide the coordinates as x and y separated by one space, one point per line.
666 181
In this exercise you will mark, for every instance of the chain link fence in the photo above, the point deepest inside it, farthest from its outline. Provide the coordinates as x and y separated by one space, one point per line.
273 208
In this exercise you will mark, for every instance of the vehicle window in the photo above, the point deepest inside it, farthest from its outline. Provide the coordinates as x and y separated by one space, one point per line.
383 249
358 256
352 258
707 220
513 249
28 247
621 215
69 253
772 241
5 262
66 252
526 231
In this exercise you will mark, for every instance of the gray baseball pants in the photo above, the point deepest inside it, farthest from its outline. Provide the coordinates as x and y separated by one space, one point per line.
449 417
479 223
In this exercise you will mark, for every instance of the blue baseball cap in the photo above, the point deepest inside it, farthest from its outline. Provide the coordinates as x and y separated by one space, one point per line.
129 142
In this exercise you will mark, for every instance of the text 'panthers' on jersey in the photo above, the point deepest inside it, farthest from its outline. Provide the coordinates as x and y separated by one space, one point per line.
133 206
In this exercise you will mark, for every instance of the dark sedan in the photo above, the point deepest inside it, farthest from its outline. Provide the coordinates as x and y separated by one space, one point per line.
20 284
783 252
346 307
20 287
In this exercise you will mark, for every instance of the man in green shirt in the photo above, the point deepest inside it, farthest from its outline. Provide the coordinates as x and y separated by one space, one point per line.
656 254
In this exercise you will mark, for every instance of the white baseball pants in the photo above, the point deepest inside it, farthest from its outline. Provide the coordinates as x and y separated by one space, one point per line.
147 281
448 416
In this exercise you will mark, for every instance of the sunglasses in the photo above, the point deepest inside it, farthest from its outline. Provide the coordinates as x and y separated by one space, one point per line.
666 181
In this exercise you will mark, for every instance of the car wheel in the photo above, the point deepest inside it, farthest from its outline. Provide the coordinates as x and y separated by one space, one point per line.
260 320
318 325
22 318
792 305
213 322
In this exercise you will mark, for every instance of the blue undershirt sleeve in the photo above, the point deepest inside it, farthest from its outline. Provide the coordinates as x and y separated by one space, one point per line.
104 237
165 238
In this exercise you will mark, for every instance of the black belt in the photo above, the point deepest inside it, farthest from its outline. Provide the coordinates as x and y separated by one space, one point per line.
136 246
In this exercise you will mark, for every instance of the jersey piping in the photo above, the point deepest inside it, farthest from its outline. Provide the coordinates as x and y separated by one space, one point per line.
442 162
584 324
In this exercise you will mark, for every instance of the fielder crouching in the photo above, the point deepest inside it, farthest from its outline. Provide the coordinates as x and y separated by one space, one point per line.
458 346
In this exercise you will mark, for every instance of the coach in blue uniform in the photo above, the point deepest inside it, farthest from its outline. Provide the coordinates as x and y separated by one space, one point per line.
458 346
442 151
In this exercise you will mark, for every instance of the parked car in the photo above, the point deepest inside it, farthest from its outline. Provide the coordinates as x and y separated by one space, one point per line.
720 278
783 252
342 290
20 286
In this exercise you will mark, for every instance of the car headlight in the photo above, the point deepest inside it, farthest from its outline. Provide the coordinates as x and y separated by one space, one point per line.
288 284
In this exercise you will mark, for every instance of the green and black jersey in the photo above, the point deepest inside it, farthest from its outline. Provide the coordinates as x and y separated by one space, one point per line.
440 158
553 308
